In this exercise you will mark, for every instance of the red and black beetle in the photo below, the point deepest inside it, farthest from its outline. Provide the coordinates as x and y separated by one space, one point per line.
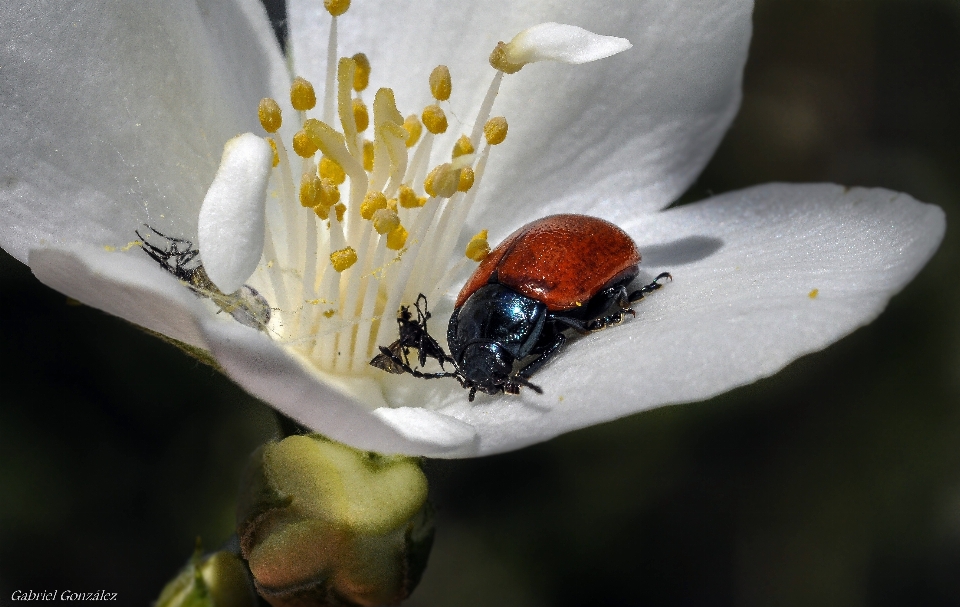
554 274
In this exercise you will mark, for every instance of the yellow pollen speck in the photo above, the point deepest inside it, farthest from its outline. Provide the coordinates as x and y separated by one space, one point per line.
302 96
360 115
440 84
336 7
385 221
408 198
414 129
442 181
499 60
309 190
109 248
276 154
303 145
397 238
329 313
434 119
478 248
340 208
813 294
329 169
361 78
269 113
343 259
368 155
392 204
466 179
462 147
495 130
372 202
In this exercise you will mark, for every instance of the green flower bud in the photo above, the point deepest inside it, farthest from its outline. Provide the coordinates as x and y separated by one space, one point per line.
321 523
216 580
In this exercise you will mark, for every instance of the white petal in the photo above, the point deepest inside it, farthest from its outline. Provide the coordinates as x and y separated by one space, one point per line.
741 305
564 43
329 404
639 126
128 285
232 218
114 114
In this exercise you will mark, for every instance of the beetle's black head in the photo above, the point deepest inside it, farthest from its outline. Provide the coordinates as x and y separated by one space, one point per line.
486 366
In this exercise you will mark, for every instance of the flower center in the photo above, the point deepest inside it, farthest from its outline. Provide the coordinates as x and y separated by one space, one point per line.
357 220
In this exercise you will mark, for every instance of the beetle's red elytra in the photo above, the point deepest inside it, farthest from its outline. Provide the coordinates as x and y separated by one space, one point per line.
560 260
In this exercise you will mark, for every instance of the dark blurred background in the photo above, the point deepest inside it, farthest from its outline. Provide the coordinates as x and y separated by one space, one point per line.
837 482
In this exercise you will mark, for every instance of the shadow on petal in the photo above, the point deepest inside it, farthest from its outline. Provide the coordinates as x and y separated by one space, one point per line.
681 252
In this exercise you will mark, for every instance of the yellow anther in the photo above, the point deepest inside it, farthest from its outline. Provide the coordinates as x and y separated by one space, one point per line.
360 115
336 7
310 187
499 59
269 113
343 259
434 119
385 221
495 130
414 129
322 211
361 78
276 154
303 145
368 155
462 147
440 83
328 194
372 202
302 97
392 204
329 169
397 238
466 179
478 248
442 181
340 208
407 197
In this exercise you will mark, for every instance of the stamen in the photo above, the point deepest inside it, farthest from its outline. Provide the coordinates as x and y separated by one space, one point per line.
343 259
368 155
303 145
397 238
385 221
434 119
408 199
443 181
329 169
336 7
372 202
414 128
302 95
556 42
495 130
478 248
360 115
463 146
466 179
361 79
269 114
309 190
440 83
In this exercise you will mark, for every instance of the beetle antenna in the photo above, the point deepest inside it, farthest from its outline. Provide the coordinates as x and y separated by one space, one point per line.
523 382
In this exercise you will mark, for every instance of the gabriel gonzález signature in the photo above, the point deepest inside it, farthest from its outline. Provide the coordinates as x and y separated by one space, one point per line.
66 595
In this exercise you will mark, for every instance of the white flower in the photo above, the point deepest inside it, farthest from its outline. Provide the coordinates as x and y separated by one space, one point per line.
115 116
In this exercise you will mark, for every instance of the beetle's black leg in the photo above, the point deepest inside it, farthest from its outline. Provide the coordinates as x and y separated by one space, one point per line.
572 323
653 286
546 355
